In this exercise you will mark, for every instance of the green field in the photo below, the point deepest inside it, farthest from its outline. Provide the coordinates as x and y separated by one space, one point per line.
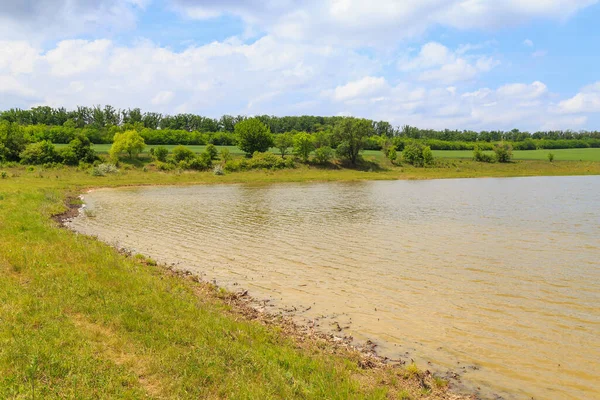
559 155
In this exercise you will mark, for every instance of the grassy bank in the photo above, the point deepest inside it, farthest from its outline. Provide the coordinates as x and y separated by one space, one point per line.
80 320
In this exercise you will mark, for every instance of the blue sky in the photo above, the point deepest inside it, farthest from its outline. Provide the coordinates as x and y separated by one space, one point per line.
466 64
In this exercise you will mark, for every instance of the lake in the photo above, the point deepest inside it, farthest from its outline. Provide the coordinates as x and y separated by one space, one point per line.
497 279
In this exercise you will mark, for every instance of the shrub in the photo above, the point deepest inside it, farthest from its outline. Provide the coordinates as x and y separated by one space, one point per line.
212 151
225 155
79 150
160 153
480 156
42 152
551 157
417 154
323 155
392 154
104 169
253 136
182 153
303 145
503 152
3 174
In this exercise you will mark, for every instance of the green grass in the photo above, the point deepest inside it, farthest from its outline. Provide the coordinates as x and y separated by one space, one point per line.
80 320
559 155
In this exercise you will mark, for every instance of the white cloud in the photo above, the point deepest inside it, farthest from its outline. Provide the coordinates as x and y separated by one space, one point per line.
528 42
539 53
366 87
163 97
42 20
436 63
73 57
586 101
357 22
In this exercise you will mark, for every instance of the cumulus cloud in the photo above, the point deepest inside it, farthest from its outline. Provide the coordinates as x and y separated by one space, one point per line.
356 22
435 62
364 88
586 101
41 20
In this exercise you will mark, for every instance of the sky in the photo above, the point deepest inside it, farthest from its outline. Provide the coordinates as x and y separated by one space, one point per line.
457 64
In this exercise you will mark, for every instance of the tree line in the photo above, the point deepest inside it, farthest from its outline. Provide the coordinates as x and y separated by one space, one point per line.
99 120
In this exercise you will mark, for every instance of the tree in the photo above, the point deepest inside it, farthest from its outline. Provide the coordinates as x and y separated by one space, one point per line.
283 142
12 141
79 149
417 154
503 152
130 142
304 144
351 133
160 153
253 135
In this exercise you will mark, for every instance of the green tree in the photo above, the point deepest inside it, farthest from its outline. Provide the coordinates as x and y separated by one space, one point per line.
283 142
12 141
253 135
503 152
78 150
351 134
130 142
304 144
226 155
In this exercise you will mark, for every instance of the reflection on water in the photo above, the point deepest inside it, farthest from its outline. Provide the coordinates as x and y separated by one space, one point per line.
499 276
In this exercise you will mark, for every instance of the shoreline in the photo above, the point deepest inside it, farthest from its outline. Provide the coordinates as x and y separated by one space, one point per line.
244 305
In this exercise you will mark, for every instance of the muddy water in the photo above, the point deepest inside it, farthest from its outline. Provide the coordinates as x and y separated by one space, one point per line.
496 278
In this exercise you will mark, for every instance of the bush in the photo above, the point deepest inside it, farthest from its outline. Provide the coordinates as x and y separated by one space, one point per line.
3 175
503 152
392 154
160 153
417 154
480 156
104 169
212 151
265 160
39 153
182 153
323 155
226 155
551 157
527 144
201 162
253 136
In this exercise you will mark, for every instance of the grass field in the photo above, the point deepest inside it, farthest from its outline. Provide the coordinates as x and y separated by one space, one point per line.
559 155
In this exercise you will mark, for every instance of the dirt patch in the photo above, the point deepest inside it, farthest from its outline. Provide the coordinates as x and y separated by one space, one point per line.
73 204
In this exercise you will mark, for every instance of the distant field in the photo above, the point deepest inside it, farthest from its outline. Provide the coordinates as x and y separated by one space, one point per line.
559 155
